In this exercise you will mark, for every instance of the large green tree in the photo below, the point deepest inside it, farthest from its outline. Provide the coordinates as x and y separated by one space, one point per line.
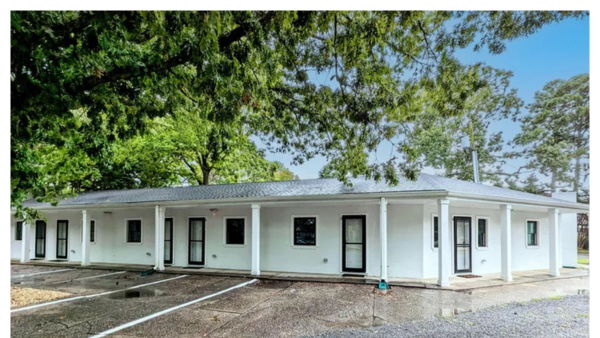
198 151
554 138
437 138
120 69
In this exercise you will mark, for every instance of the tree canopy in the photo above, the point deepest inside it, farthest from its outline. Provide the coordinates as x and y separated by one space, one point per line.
105 75
555 134
437 138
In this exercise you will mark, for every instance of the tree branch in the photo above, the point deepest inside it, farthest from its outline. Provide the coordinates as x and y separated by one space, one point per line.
186 54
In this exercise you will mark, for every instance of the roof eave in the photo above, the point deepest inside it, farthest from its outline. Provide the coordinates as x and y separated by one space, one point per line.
258 200
512 200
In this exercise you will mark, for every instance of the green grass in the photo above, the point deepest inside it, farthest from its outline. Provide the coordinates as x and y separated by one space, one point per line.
583 251
549 298
583 261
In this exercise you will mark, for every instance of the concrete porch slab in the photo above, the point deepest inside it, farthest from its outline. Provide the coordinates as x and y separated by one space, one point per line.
456 283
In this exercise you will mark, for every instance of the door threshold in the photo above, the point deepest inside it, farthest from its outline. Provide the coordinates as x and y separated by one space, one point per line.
355 275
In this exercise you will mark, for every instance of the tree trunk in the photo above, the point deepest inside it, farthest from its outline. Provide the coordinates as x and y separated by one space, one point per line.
577 174
205 176
553 181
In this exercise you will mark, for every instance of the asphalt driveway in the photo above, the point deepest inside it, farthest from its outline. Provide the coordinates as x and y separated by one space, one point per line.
261 309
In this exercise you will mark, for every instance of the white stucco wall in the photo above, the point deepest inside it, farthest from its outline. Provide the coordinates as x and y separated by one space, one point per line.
15 246
278 253
227 256
488 260
568 230
405 238
74 236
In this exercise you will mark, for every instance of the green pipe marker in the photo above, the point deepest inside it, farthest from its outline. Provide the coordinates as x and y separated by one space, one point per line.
148 272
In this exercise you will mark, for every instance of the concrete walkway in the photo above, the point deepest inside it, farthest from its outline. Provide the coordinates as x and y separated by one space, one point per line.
456 283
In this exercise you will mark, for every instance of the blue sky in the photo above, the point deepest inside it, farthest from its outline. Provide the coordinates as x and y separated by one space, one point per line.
557 51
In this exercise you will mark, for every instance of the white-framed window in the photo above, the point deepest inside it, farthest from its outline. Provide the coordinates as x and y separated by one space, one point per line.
234 231
19 231
133 230
304 231
532 233
482 232
92 231
434 231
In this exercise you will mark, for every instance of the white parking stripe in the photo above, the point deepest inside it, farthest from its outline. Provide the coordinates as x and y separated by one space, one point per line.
40 273
107 274
152 316
91 296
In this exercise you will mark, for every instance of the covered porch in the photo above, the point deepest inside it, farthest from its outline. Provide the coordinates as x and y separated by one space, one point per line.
456 283
395 233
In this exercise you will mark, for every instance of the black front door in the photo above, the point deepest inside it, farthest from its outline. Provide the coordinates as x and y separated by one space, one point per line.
462 244
168 241
40 239
62 239
354 243
196 241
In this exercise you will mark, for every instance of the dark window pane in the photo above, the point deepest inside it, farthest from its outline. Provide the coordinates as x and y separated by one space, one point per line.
234 231
305 231
435 232
92 231
531 233
482 233
134 233
19 231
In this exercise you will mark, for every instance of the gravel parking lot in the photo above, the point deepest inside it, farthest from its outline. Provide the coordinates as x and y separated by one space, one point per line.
267 308
564 317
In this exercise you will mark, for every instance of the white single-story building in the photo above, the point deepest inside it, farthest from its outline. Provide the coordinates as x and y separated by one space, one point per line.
428 228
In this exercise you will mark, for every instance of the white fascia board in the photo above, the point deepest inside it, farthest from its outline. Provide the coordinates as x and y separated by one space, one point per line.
342 198
520 202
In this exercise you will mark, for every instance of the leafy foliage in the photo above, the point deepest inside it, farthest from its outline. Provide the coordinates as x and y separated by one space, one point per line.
437 138
120 70
554 137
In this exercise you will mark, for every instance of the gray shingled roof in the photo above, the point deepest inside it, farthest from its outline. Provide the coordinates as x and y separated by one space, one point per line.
299 188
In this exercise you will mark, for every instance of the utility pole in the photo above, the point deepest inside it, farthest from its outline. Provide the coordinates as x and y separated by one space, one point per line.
468 141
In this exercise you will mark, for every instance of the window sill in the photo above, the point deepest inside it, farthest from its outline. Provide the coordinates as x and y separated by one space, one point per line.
134 243
532 247
235 245
305 247
483 248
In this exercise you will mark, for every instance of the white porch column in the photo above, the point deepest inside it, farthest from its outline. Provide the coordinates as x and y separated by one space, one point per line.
506 246
159 246
256 239
85 244
383 234
444 249
163 211
25 239
554 241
